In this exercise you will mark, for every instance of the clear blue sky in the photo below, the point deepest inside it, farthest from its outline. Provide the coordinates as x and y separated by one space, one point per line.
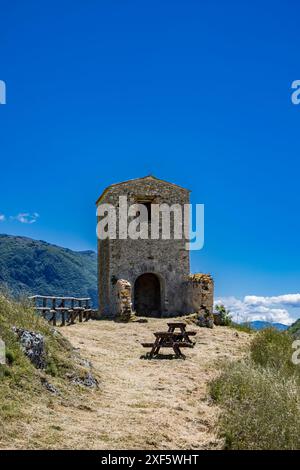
194 92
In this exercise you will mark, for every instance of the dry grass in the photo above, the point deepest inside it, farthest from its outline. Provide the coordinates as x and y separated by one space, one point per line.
259 396
260 408
141 404
22 393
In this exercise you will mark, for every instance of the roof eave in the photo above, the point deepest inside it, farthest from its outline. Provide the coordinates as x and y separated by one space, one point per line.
135 179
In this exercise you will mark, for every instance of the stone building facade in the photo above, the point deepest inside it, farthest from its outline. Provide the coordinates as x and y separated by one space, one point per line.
149 276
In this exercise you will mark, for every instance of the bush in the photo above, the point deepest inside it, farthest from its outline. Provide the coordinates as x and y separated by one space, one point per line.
273 349
10 357
261 396
294 329
262 409
51 367
224 316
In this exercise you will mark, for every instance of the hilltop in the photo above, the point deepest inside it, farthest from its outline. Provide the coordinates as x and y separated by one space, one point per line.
30 266
141 404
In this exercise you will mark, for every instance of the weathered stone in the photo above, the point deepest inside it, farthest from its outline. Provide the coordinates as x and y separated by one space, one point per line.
50 387
84 362
123 292
206 321
33 346
156 269
217 319
199 293
87 381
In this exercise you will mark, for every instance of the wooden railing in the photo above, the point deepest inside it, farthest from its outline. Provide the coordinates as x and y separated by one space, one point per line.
66 309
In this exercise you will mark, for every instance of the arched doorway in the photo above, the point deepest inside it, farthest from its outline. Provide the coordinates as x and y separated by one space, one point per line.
147 299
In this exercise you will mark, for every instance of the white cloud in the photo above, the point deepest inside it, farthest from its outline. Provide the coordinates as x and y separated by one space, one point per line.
292 300
275 309
2 217
26 217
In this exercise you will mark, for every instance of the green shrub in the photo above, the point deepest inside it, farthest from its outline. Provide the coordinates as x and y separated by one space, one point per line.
51 367
294 329
4 371
10 357
224 315
273 349
260 396
261 408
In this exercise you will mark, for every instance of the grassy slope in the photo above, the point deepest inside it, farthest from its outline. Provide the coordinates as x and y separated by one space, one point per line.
37 267
20 383
259 396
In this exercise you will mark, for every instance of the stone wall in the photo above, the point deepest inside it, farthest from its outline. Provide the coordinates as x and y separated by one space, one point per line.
128 259
199 297
123 300
104 276
122 262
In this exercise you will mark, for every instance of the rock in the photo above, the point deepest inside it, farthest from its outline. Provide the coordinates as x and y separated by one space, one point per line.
49 386
206 321
33 346
217 318
54 332
124 307
87 381
84 362
201 321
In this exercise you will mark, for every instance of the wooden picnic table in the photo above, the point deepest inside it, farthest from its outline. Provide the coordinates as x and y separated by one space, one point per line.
167 339
65 308
182 327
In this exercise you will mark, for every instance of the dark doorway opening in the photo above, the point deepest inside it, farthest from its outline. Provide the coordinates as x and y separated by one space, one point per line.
147 299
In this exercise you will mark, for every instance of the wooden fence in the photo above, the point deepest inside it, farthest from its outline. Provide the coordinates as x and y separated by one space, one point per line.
63 309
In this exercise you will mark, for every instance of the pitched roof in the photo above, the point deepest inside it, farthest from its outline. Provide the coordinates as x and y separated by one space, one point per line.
137 179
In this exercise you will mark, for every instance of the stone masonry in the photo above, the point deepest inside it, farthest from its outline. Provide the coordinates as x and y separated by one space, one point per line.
154 273
124 304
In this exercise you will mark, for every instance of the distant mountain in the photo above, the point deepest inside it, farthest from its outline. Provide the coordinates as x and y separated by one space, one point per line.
260 325
36 267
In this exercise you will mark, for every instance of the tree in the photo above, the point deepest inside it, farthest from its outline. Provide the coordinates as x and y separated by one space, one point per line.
225 317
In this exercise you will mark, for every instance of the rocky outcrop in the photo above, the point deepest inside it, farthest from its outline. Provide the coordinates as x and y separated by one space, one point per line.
50 387
33 346
88 380
206 320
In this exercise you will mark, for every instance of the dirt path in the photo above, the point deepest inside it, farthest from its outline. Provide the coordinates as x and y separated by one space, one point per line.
142 404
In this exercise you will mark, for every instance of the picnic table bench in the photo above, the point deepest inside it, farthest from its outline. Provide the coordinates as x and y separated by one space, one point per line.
65 308
170 339
182 327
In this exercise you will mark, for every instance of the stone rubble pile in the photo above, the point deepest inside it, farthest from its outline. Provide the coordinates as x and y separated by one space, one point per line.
33 346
